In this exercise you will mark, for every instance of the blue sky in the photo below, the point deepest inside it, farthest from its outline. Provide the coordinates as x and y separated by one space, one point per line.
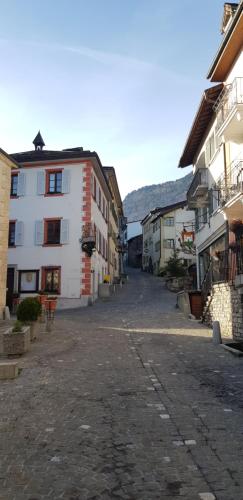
121 77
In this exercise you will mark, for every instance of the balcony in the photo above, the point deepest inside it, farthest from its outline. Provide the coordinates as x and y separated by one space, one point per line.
197 194
230 188
88 239
229 110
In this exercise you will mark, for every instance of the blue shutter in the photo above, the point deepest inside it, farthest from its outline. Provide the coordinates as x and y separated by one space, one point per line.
64 232
41 182
39 232
66 181
19 233
21 184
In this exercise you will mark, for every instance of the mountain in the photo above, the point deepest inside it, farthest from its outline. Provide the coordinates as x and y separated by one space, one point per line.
139 202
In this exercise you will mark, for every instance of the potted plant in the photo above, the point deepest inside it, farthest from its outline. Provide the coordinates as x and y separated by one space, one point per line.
28 312
16 340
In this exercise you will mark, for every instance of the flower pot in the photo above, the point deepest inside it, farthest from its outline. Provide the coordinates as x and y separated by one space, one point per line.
42 299
16 343
51 304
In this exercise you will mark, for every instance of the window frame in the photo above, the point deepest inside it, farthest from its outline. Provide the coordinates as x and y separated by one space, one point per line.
14 175
11 222
169 247
48 173
46 222
169 219
20 272
44 271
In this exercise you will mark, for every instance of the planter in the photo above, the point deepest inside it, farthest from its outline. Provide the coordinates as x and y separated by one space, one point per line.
104 290
34 329
42 299
16 343
51 304
196 302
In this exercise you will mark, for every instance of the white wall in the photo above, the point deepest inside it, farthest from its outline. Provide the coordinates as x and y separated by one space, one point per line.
33 207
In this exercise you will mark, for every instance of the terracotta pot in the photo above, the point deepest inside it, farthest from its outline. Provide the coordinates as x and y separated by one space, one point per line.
51 304
42 299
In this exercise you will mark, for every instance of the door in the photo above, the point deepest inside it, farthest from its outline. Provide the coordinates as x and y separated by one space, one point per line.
10 287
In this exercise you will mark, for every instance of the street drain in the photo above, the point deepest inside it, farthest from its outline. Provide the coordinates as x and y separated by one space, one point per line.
235 348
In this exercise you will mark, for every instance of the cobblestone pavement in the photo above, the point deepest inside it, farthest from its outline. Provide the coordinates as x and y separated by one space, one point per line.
124 400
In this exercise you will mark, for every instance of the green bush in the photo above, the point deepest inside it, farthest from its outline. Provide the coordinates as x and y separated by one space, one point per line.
174 266
17 327
28 310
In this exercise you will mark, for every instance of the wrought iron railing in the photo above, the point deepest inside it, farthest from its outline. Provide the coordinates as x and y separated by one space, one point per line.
230 96
200 178
232 183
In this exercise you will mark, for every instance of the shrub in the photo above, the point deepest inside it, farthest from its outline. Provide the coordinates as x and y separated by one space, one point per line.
174 266
17 327
28 310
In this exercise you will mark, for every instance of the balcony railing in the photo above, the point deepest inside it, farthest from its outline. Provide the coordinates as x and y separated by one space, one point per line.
197 194
230 96
88 239
231 184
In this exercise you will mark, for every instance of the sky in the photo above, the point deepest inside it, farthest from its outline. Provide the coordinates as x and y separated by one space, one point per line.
123 78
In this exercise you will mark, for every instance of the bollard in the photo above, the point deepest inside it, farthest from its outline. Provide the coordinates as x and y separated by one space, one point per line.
216 333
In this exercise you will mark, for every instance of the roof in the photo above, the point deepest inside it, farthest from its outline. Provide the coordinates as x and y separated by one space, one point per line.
229 48
200 124
49 155
111 174
41 155
9 158
161 211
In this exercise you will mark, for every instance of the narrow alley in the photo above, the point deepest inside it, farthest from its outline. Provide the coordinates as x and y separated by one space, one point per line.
124 400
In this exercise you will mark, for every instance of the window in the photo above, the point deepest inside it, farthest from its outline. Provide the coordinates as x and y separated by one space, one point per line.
52 232
28 281
11 234
99 198
157 246
169 243
14 185
54 182
51 279
94 193
169 221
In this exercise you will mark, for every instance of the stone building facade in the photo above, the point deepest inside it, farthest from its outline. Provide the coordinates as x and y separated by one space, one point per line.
225 304
6 163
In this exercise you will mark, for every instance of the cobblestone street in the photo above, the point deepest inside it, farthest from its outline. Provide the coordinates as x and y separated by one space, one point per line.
124 400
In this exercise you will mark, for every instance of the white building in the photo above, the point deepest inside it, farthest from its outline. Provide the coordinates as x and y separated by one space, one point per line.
58 224
215 149
165 231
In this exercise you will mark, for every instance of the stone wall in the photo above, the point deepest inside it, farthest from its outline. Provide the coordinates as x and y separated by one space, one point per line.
5 175
225 305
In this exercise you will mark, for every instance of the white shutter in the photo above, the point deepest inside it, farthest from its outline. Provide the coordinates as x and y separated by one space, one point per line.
64 232
21 184
41 182
19 233
39 232
65 181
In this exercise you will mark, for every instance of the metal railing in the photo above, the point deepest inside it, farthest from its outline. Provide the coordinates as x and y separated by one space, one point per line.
231 184
230 96
200 178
